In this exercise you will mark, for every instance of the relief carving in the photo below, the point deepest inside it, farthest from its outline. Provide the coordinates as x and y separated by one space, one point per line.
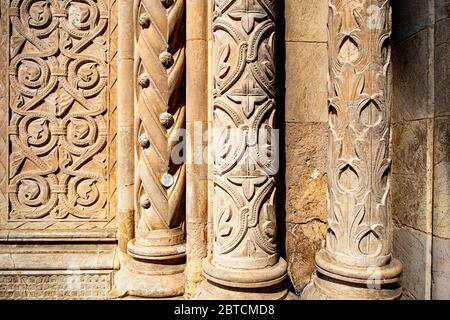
58 120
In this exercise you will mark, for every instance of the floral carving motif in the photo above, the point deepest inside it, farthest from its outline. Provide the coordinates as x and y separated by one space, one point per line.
58 119
160 111
359 113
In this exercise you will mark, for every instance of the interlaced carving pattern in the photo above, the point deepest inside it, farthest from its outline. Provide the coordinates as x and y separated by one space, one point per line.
160 111
244 110
359 44
59 122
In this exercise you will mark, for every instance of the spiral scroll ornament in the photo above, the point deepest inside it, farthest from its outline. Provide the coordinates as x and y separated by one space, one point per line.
58 130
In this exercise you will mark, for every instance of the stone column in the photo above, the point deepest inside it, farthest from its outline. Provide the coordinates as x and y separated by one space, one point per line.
357 261
156 261
125 134
196 141
244 263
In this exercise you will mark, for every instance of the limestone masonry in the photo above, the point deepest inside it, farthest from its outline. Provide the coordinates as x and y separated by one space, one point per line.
224 149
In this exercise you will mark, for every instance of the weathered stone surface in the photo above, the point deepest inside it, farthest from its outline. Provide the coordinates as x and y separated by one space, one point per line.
409 17
441 269
409 173
442 67
410 248
441 208
302 243
411 72
306 20
305 175
306 82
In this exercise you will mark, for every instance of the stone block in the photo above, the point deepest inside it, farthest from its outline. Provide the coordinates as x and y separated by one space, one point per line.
411 71
442 68
302 243
409 17
306 82
441 269
442 9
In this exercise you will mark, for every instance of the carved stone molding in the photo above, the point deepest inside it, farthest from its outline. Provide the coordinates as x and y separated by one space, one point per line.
244 263
157 253
357 261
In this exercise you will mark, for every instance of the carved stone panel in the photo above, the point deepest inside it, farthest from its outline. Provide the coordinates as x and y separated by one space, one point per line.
57 114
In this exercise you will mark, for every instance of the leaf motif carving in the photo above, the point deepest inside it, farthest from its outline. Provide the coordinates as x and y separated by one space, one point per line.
28 189
268 57
85 188
81 128
100 45
29 70
224 146
37 10
86 72
15 161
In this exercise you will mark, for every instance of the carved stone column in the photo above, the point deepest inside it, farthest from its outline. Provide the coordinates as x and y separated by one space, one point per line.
157 253
244 263
357 261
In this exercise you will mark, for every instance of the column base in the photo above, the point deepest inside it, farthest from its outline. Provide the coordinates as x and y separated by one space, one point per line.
223 283
148 273
335 281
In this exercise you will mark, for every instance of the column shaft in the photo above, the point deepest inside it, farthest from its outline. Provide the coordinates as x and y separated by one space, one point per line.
196 141
156 263
244 263
357 261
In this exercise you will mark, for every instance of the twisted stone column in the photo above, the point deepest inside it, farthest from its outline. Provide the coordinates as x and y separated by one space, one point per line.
357 261
157 253
244 263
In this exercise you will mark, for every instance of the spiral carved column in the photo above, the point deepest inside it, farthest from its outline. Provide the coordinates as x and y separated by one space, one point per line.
244 263
157 253
357 261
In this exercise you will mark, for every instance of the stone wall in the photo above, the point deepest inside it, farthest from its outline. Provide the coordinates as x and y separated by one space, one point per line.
420 141
420 146
305 136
